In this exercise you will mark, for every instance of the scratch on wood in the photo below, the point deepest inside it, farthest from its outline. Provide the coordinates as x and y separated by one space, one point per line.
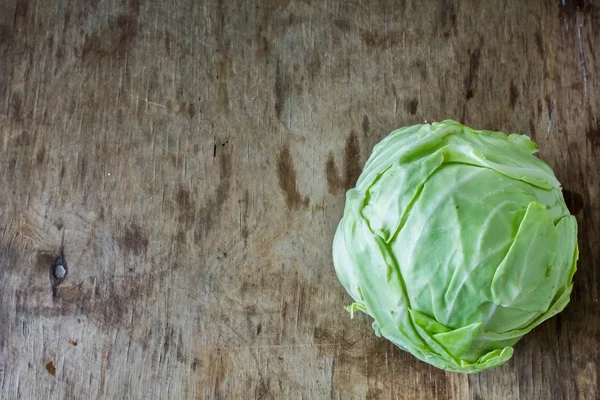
582 60
395 99
151 103
297 308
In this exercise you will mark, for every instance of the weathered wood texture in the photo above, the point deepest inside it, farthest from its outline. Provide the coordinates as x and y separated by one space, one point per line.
196 154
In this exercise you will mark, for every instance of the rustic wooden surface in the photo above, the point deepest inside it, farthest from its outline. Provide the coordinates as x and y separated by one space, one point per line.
196 156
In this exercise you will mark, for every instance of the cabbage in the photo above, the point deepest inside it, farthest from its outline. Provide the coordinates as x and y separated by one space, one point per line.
457 242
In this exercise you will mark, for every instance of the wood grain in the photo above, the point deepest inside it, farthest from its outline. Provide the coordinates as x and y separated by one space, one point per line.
196 154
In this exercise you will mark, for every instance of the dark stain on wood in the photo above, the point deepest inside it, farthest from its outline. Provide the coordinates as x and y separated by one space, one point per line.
113 39
314 65
351 161
180 354
174 160
21 9
286 175
422 67
334 182
379 352
24 139
251 313
264 46
539 44
113 297
365 125
262 390
293 19
211 210
595 26
5 35
181 238
167 42
40 155
447 19
381 41
592 133
219 365
50 368
168 338
342 24
532 129
412 106
191 110
376 352
471 77
262 42
352 167
16 106
12 164
325 335
43 261
187 208
134 240
82 170
513 95
373 394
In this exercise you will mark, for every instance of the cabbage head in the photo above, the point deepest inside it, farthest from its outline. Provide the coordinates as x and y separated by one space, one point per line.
457 242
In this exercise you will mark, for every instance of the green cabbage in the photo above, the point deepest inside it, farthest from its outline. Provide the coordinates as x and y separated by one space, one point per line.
457 242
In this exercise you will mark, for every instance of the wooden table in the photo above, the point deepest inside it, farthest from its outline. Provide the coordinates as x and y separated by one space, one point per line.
196 155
